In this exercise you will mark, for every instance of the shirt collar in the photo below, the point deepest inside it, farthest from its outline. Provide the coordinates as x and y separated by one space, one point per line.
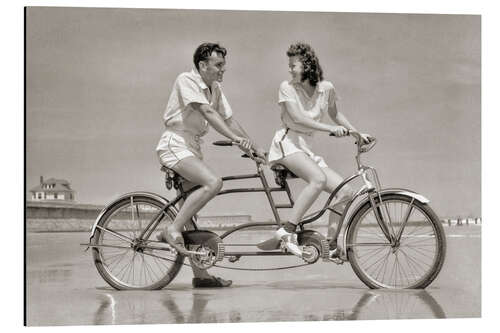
197 77
319 87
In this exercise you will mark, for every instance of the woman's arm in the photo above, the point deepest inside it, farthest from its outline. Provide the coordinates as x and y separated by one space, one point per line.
298 118
339 118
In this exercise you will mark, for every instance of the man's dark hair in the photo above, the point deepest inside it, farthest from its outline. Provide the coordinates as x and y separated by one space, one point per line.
312 69
205 50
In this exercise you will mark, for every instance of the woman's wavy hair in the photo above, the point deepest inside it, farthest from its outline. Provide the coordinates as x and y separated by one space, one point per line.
312 68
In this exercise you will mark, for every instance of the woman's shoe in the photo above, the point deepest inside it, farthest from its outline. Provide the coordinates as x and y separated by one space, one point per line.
289 241
274 242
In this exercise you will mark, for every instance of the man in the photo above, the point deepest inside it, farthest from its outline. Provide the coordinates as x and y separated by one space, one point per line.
197 101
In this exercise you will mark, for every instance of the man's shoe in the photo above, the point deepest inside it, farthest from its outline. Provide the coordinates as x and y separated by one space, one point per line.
211 282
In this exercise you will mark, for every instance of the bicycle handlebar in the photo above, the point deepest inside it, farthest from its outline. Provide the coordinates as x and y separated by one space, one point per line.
362 146
223 143
233 143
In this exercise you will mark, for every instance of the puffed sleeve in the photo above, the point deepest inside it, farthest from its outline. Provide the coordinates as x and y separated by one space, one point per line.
189 91
332 94
222 107
286 93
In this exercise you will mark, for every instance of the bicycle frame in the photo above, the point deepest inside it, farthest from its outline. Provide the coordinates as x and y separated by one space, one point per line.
367 188
206 248
268 190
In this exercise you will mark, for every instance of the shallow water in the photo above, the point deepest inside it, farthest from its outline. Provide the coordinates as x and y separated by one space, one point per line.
64 288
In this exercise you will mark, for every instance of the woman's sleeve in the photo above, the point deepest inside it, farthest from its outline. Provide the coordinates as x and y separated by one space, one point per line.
332 95
286 93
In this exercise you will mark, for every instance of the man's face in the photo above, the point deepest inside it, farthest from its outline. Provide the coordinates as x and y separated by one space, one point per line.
213 68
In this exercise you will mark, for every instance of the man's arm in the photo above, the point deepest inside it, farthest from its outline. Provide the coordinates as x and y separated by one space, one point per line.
219 125
235 126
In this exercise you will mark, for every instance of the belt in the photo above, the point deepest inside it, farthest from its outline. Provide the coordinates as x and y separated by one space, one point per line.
181 132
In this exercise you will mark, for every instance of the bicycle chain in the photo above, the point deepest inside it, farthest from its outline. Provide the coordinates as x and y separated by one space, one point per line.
235 268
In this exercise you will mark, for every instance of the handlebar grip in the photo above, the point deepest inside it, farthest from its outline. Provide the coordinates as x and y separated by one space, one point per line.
223 143
333 134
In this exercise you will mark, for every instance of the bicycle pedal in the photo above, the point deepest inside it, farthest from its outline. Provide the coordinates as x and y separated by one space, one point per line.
220 252
325 250
234 259
336 260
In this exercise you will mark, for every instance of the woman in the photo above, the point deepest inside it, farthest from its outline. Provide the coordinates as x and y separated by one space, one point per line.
304 101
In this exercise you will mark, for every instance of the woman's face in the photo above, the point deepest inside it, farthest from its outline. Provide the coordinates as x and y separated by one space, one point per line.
295 68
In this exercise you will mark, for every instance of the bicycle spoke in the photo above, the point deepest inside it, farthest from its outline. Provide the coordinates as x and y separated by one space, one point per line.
415 267
116 234
406 262
384 266
137 266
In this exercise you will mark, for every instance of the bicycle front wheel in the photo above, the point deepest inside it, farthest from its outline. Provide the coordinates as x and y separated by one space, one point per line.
122 257
412 262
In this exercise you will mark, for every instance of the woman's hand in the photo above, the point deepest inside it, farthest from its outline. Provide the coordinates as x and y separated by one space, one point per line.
339 131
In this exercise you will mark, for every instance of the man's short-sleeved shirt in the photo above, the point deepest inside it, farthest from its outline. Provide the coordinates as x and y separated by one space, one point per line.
313 107
189 88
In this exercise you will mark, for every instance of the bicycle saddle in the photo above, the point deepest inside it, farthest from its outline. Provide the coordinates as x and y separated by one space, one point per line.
281 173
172 178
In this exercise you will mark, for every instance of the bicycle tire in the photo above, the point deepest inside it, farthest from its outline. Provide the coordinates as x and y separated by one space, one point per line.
428 244
116 220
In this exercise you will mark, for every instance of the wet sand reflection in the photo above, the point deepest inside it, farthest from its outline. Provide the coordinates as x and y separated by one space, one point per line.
372 304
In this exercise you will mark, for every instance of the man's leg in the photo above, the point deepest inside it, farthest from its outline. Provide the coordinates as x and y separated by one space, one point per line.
200 275
196 172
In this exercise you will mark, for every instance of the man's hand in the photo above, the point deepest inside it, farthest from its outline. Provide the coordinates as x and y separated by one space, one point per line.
367 138
261 155
244 143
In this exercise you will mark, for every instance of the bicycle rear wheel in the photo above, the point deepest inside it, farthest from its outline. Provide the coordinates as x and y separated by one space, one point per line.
126 261
414 262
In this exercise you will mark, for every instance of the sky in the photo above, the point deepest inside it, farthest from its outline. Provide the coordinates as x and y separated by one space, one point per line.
97 82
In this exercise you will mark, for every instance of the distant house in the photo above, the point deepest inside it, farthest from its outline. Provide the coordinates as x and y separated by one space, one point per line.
52 190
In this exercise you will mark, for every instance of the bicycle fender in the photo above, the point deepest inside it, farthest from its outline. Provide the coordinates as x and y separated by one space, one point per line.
139 193
196 237
383 192
305 234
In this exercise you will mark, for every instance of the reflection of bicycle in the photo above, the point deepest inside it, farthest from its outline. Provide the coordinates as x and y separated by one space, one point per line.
390 304
398 305
391 238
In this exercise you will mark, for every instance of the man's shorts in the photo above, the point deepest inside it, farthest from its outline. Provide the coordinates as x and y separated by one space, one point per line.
175 146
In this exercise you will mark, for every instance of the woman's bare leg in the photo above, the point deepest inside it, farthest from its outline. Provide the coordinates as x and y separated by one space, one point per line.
333 180
305 168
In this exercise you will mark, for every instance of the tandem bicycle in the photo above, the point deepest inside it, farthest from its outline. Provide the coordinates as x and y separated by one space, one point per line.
391 237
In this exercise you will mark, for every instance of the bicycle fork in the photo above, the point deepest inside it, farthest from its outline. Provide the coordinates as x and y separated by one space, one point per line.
373 194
